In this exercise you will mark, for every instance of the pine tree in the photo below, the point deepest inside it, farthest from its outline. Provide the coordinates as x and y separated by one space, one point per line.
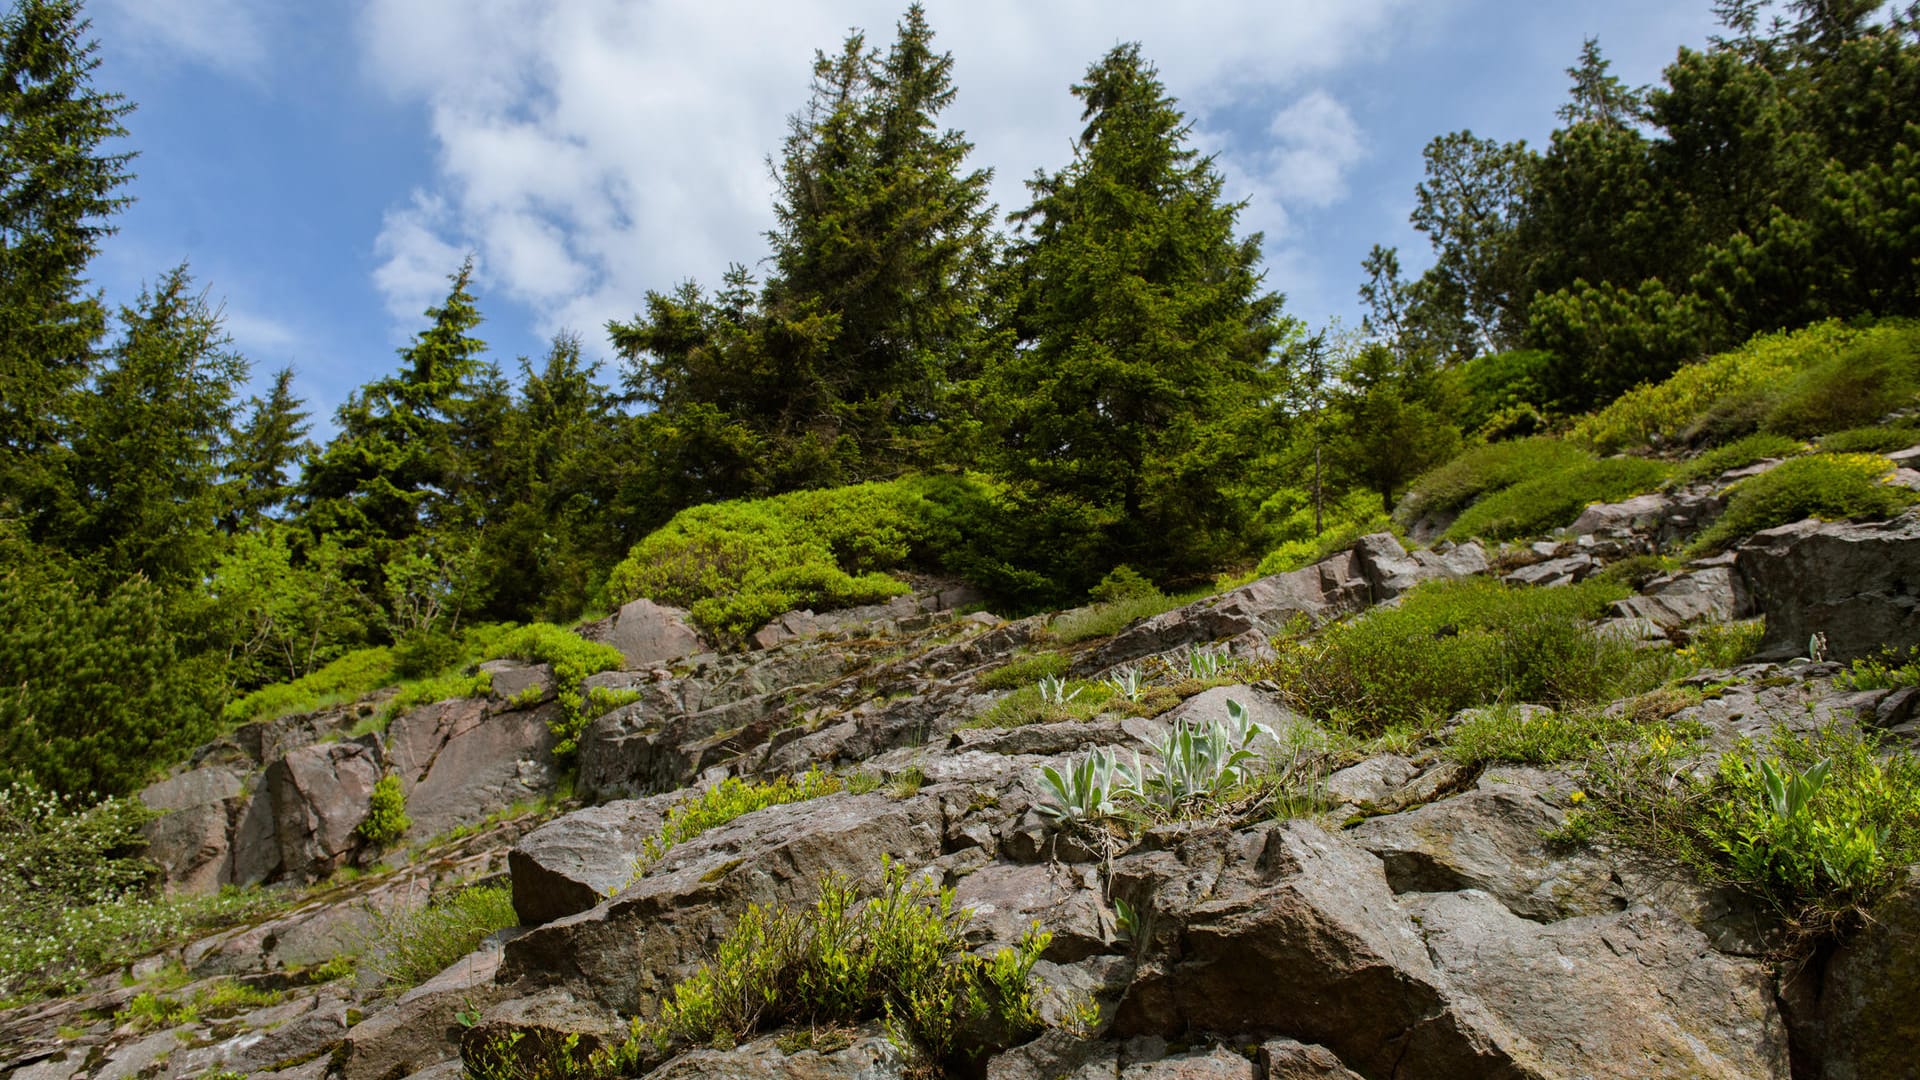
155 434
1142 333
270 443
58 188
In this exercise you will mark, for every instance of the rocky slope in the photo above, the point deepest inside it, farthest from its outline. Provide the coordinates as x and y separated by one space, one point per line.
1421 926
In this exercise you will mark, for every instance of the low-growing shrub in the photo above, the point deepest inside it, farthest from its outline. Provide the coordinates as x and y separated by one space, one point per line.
1553 500
1738 454
1871 440
386 819
1452 645
344 679
1025 670
1506 733
899 956
573 658
1871 376
1484 470
729 799
1827 486
416 945
1722 645
1887 671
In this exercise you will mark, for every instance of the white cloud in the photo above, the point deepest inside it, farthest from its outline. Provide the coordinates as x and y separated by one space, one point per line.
1316 144
593 150
227 35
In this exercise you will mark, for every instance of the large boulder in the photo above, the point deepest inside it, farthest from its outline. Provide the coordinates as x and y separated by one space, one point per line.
320 796
190 840
572 863
651 635
1856 582
1704 595
630 950
1391 569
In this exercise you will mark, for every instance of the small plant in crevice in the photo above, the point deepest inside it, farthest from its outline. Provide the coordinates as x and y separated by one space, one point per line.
386 819
1206 664
418 944
1126 682
897 956
730 798
1086 790
1053 690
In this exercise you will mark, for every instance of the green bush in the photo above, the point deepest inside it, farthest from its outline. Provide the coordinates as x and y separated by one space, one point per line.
1872 376
95 697
1452 645
1738 454
1529 737
1484 470
1502 386
1287 527
1826 486
1025 670
898 957
416 945
1887 671
573 659
1871 440
1554 500
1820 827
386 819
735 565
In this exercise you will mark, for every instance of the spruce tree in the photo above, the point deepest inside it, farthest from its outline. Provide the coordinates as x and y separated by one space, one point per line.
1142 335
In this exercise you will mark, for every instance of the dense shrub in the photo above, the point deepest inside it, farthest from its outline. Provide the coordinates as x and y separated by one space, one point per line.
1826 486
900 957
1486 469
1554 500
95 694
1878 439
1872 376
735 565
344 679
74 892
1668 409
1455 644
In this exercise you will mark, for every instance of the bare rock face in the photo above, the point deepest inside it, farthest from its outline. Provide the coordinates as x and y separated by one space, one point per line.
420 1030
319 797
1391 570
1288 1059
189 841
651 635
1868 1024
869 1056
1492 838
1637 993
1857 583
1704 595
573 863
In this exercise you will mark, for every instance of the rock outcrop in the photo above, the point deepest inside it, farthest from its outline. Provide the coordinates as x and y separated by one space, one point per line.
1858 583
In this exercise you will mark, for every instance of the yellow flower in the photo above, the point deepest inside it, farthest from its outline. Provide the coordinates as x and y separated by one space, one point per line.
1577 798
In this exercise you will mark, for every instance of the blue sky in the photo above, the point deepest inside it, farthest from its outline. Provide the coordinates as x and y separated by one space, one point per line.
323 167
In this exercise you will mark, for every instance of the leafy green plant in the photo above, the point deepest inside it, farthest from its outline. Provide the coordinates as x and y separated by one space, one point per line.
1205 664
386 818
1086 790
1054 690
1826 486
149 1011
1025 670
899 957
1127 683
416 945
1202 761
